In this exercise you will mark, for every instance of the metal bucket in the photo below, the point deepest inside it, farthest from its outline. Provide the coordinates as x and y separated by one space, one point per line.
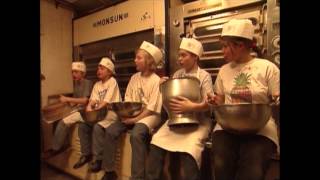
188 87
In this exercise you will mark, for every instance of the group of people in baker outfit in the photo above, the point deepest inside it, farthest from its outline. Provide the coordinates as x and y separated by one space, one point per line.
235 157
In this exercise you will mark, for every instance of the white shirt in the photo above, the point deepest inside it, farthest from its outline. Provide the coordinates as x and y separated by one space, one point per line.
107 91
145 90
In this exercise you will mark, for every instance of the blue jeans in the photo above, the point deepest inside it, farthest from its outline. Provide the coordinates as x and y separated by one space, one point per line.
139 139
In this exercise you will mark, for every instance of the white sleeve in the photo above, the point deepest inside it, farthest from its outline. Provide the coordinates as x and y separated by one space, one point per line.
111 91
218 85
206 86
94 93
155 101
273 79
129 91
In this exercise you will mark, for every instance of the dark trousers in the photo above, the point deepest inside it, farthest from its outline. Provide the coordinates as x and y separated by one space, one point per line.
85 136
156 159
238 157
60 135
139 139
98 141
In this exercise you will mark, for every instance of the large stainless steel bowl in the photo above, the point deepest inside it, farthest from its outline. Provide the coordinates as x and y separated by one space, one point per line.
243 118
95 116
188 87
126 109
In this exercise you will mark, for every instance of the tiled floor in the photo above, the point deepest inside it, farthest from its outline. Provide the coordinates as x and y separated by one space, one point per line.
50 173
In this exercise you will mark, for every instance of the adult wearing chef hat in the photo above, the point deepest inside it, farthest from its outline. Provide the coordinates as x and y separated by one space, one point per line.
81 93
187 140
143 87
238 157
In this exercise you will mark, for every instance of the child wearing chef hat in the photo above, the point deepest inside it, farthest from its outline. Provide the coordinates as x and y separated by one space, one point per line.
187 141
143 87
82 88
104 91
258 80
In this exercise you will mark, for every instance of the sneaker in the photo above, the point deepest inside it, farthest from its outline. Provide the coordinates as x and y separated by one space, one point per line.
110 176
95 166
82 161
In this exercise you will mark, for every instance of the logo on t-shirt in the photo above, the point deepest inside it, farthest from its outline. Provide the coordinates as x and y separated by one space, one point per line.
240 92
102 94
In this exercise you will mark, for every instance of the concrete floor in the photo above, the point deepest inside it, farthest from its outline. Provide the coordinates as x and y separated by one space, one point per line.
50 173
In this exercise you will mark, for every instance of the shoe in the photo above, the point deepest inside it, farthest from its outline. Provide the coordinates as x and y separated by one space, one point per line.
95 166
83 160
110 176
51 153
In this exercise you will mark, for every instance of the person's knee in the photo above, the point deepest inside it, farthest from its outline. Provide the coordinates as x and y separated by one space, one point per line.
250 173
60 126
219 163
83 126
189 166
112 132
62 123
140 131
97 129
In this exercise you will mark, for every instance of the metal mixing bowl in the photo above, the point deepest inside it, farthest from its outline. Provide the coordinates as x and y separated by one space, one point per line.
95 116
188 87
126 109
243 118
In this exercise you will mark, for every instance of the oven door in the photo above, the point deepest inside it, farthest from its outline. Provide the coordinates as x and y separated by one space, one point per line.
208 31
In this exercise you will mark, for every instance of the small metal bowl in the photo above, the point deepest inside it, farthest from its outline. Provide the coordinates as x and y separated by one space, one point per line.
126 109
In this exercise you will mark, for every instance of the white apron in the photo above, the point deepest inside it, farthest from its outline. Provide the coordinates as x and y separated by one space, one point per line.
187 139
110 118
184 139
152 122
73 118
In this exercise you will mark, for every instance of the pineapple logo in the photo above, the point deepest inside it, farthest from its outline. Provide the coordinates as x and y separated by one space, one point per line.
240 93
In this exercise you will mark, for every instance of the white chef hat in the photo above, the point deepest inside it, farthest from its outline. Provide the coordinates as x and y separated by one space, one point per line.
239 28
106 62
153 50
192 45
79 66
